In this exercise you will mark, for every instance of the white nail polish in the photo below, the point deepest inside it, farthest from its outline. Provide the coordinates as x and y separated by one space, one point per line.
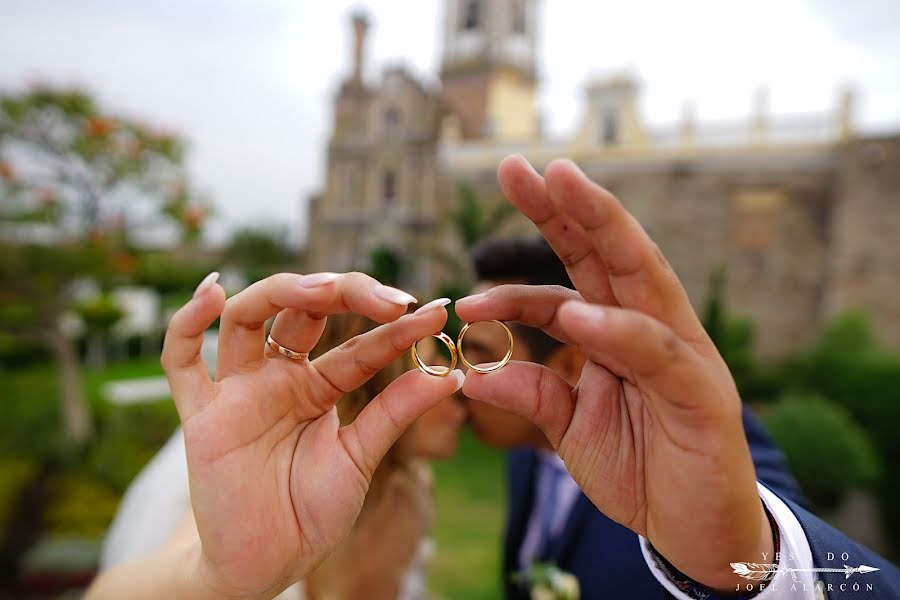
207 283
393 295
460 378
317 279
432 305
472 298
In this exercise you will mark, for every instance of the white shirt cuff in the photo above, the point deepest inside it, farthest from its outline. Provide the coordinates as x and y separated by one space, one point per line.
794 554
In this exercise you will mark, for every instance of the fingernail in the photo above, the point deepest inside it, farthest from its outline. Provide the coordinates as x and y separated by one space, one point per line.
207 283
393 295
460 378
432 305
472 298
317 279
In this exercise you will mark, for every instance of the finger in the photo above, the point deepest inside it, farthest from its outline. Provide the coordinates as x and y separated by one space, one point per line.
297 330
188 376
242 330
531 305
354 362
640 349
529 390
388 415
527 190
638 274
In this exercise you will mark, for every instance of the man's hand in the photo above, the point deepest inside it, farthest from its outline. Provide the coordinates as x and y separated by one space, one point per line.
652 432
275 482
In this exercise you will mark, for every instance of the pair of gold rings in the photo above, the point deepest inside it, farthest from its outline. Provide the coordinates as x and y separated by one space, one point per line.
456 352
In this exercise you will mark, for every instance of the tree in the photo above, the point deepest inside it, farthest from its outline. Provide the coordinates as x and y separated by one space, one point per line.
471 222
76 184
260 251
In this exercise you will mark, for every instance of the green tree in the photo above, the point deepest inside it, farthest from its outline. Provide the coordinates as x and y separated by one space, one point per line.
260 251
76 182
471 222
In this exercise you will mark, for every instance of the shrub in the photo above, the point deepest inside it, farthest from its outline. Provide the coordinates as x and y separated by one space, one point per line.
827 451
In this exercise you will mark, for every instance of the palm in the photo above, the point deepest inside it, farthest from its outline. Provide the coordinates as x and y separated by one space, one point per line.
625 459
275 481
652 432
244 468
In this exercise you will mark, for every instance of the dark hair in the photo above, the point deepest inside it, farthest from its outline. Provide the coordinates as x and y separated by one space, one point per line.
523 260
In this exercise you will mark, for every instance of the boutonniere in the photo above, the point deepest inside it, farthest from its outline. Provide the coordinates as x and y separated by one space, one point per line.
546 581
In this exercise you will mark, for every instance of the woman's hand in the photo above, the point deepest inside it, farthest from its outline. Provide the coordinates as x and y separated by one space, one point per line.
652 432
387 534
275 482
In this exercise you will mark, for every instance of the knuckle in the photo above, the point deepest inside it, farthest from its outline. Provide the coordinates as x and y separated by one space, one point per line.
353 344
366 368
669 345
231 305
571 258
165 360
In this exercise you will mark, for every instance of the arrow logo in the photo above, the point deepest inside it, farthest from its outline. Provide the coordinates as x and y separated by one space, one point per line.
760 571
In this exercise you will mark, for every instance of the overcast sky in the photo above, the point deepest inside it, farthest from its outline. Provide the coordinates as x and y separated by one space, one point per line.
249 83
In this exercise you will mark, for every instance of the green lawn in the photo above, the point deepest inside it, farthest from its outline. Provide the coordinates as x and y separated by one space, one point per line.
470 496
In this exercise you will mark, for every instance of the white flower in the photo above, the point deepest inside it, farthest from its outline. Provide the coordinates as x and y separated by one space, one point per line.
542 592
565 585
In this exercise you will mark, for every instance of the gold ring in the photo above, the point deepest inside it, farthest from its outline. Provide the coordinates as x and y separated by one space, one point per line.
494 367
448 341
286 351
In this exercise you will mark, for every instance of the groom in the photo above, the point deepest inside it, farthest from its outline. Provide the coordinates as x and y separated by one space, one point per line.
651 427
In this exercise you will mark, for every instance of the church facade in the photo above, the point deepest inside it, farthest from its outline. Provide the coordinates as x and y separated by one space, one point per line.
801 214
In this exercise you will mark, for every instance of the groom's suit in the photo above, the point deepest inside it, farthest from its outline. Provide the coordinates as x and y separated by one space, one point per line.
606 557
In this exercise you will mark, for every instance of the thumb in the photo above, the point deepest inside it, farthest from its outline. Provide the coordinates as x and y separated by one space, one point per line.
387 416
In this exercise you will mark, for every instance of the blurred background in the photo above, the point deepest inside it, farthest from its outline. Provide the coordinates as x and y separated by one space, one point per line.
143 145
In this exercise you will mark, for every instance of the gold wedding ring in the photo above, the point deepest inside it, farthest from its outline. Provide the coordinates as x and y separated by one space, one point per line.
291 354
495 366
456 352
440 371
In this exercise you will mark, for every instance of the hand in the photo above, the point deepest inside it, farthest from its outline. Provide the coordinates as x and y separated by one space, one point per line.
275 482
652 432
387 533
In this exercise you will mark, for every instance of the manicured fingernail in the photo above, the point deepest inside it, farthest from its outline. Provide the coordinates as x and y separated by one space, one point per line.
432 305
207 283
393 295
471 299
460 378
317 279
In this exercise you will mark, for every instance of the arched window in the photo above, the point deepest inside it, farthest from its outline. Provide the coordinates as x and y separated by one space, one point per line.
391 119
388 187
518 16
471 15
609 133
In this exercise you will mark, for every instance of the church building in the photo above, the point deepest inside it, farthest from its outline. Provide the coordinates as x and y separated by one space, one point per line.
800 213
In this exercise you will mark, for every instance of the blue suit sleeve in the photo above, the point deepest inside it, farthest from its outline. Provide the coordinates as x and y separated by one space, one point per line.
771 467
827 544
832 549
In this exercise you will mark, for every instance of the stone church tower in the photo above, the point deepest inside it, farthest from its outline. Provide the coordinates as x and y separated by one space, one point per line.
380 204
488 69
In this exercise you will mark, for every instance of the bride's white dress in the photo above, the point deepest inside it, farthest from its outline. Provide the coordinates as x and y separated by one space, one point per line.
157 501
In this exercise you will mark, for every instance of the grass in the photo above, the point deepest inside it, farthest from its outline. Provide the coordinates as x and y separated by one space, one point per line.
470 497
